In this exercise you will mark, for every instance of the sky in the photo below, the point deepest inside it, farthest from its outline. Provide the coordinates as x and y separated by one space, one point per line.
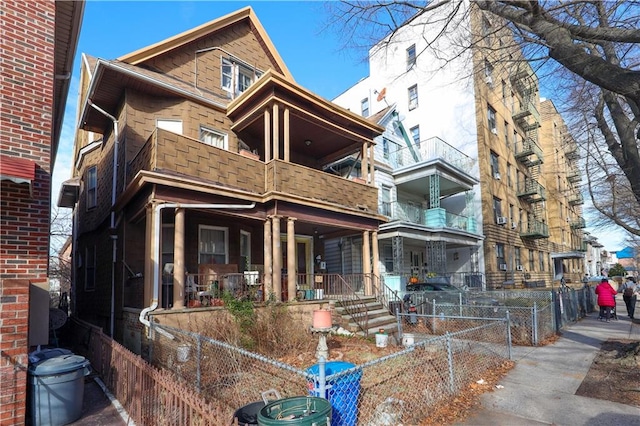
313 54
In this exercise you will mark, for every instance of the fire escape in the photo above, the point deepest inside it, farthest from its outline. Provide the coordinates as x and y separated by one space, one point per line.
528 153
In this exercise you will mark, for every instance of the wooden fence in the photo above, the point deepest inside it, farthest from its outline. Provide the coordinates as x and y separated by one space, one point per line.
149 395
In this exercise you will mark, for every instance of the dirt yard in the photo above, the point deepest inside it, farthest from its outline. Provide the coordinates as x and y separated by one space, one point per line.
615 373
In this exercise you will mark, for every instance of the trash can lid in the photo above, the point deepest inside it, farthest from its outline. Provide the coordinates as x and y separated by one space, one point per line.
57 364
331 367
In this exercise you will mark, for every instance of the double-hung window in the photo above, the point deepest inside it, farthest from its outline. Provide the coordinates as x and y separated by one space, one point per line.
92 187
415 135
411 56
491 118
213 137
213 243
413 97
364 105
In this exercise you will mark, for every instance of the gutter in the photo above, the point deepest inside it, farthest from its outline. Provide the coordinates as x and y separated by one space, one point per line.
114 237
155 253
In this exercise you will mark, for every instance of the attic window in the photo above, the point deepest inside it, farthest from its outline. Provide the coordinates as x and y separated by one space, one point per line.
237 76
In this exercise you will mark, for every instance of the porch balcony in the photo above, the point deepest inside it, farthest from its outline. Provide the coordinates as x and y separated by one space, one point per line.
430 218
175 154
429 151
534 229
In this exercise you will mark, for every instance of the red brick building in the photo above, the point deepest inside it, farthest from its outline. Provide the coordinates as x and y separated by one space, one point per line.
37 45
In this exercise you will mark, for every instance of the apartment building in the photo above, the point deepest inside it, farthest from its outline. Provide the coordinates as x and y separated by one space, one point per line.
564 204
199 156
483 102
37 48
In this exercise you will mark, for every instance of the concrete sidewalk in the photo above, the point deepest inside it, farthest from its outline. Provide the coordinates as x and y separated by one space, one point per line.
541 388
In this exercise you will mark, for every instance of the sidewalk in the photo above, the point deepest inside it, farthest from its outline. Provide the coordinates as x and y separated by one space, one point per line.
541 388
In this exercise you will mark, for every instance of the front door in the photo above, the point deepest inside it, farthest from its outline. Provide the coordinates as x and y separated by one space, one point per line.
304 258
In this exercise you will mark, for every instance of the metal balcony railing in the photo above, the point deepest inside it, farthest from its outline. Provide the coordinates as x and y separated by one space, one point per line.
534 229
433 218
576 199
531 190
430 150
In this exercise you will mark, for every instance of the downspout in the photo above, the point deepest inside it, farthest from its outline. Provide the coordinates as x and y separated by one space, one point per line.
114 237
154 255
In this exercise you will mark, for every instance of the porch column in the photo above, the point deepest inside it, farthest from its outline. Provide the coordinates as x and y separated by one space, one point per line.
291 259
178 260
268 259
372 169
149 247
364 165
376 260
286 134
277 258
267 135
366 263
434 192
276 136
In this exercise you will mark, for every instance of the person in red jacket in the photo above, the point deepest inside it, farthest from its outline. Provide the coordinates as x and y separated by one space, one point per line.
606 298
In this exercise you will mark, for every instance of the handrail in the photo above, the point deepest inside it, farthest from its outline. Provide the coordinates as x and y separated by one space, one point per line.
353 306
384 294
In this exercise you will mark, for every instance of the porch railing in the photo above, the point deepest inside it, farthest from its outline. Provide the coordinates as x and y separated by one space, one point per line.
208 289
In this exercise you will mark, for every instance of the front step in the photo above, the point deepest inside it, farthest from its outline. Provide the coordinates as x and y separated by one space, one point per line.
379 317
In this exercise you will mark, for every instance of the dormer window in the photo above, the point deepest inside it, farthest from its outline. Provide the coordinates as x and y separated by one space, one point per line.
237 76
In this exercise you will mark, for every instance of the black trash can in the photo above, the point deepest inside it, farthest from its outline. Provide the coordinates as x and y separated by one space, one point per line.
248 415
56 386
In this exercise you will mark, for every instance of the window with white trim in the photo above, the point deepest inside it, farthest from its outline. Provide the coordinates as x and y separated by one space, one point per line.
413 97
415 135
364 107
237 76
92 187
214 137
213 243
411 56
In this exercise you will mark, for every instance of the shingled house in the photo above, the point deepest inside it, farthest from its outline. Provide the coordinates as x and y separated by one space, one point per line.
201 156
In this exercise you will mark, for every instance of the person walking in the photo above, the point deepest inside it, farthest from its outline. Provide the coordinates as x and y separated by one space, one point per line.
606 298
629 292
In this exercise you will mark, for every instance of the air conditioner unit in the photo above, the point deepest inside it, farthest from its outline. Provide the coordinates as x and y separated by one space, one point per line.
503 266
519 268
496 176
494 131
501 220
514 225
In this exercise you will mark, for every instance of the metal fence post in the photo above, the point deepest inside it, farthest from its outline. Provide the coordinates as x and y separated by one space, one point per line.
433 316
199 362
450 362
534 320
508 316
399 321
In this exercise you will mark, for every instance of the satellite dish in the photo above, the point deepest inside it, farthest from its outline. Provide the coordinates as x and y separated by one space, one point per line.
382 94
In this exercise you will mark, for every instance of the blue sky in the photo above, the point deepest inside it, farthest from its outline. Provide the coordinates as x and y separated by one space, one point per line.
313 55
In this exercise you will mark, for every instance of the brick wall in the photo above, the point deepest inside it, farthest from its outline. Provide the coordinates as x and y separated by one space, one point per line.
26 98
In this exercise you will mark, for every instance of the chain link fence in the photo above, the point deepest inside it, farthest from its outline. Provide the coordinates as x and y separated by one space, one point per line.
535 316
394 389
